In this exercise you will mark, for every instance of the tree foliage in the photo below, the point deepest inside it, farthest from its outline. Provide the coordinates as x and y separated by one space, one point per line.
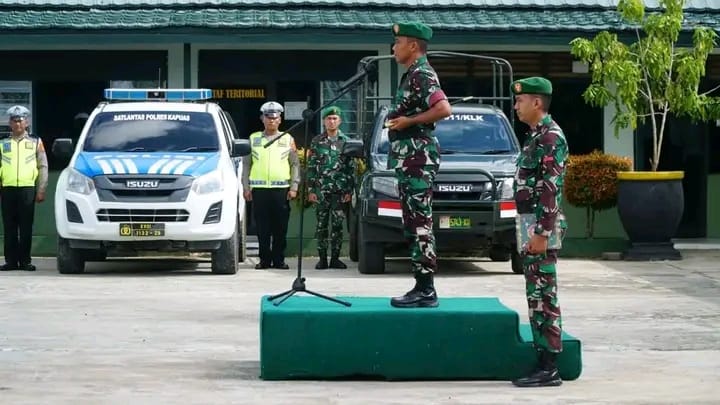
653 76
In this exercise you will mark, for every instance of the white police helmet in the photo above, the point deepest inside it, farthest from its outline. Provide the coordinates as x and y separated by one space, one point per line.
271 109
18 111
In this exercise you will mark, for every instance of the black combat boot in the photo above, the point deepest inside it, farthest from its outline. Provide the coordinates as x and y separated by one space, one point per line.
546 374
323 263
336 263
422 295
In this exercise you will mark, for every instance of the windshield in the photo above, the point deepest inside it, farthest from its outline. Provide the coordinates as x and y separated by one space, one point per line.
468 133
152 131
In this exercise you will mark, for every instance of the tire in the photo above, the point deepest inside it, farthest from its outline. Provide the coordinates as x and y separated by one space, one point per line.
353 242
516 261
225 259
371 255
499 254
242 241
69 260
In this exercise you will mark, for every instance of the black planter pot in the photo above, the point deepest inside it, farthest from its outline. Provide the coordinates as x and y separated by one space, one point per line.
650 205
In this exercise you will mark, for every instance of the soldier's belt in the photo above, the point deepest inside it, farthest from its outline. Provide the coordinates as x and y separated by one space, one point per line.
409 133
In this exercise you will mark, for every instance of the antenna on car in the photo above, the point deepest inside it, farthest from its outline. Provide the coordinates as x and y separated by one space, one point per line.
462 100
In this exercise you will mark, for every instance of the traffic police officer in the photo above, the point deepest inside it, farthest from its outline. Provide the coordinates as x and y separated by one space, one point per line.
538 186
23 181
331 178
271 177
419 103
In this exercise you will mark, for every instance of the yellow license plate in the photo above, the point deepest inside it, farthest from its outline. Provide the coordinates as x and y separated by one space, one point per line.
449 222
142 229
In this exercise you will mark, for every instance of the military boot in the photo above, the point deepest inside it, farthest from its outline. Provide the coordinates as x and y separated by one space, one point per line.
336 263
323 263
546 374
422 295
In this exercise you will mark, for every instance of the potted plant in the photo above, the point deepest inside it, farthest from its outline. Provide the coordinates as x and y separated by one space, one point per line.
650 80
591 182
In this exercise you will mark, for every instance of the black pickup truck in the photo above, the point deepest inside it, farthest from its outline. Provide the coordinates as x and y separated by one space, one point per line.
473 207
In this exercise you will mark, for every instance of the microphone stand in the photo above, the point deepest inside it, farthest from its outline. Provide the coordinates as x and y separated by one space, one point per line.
298 284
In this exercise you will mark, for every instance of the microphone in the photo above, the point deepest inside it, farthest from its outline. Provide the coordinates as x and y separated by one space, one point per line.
363 70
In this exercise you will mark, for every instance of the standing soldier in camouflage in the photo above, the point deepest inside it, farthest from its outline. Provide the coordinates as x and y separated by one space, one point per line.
538 190
330 183
419 103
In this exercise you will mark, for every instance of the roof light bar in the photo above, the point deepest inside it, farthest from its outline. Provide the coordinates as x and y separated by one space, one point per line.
158 94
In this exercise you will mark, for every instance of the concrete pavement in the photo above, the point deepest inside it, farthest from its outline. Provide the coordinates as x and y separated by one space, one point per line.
166 332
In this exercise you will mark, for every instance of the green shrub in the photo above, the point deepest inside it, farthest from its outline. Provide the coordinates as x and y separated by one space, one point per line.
591 182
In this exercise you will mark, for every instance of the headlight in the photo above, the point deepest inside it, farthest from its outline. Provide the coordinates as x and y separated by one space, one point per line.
505 189
386 185
79 183
208 183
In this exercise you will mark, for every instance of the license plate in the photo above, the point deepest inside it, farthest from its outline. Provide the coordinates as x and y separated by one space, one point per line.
142 229
448 222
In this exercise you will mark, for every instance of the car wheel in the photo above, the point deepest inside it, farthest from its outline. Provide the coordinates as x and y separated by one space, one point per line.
516 262
225 259
371 255
353 242
499 254
242 241
69 260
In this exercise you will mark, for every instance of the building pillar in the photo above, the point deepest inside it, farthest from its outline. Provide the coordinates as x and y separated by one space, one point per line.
624 143
175 67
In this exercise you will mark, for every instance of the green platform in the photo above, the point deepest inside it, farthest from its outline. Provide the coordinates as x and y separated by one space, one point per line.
307 337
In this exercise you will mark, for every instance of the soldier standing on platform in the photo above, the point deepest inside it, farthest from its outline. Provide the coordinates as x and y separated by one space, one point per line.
538 190
419 103
331 179
23 181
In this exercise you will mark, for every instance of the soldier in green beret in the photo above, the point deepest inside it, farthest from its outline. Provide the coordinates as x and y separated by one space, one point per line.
419 103
331 179
538 190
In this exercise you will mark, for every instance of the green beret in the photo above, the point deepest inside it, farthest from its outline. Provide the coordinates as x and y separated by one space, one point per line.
413 29
532 85
332 110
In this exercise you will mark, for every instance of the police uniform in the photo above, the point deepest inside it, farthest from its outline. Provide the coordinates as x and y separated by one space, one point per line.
271 172
538 192
331 178
415 157
23 179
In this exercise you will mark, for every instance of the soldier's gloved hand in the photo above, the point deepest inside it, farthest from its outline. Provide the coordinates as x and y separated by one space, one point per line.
312 197
248 195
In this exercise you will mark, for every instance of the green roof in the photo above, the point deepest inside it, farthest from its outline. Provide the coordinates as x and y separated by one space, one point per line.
690 4
360 16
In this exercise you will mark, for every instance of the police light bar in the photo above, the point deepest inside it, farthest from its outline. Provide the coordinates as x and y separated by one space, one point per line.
158 94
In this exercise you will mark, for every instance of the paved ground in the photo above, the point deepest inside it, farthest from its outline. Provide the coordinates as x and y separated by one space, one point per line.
170 333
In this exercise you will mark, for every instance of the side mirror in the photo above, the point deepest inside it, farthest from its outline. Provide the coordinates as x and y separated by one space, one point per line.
240 147
63 148
354 148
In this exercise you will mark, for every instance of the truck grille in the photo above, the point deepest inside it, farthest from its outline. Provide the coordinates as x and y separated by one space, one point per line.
154 188
142 215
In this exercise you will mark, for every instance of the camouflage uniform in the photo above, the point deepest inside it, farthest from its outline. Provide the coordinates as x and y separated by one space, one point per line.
538 186
415 157
330 176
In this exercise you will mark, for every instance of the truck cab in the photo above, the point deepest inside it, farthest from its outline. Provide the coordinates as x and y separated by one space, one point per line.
473 202
153 171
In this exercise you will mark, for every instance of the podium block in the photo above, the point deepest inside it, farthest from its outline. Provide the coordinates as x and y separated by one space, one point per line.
476 338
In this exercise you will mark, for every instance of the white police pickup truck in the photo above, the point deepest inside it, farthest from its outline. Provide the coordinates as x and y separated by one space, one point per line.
154 170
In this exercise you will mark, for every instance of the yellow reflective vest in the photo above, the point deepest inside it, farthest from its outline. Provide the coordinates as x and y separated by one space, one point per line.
270 166
19 167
